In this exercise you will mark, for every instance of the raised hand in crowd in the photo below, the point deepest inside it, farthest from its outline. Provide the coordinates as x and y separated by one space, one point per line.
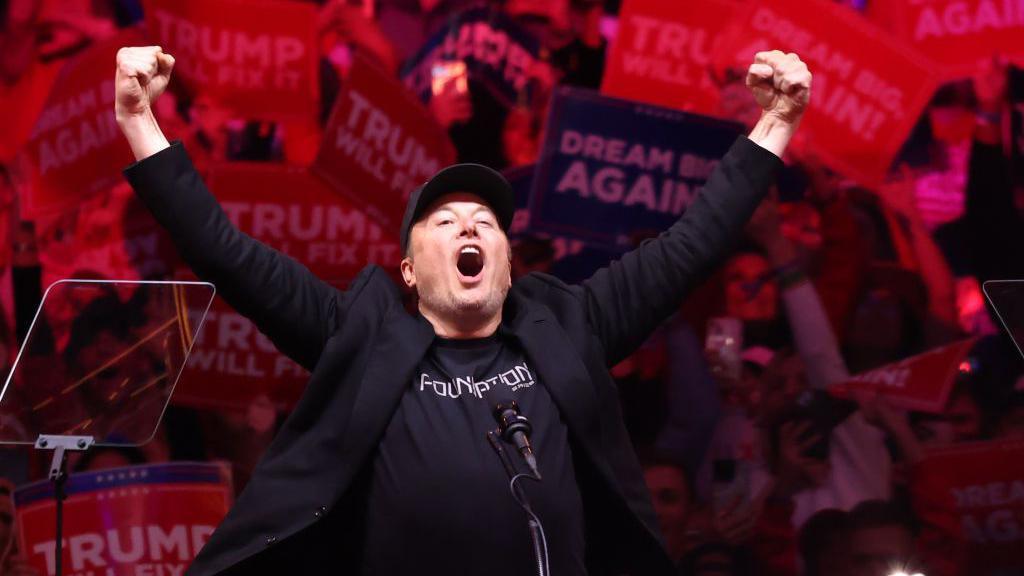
352 25
880 413
142 76
765 229
794 470
941 321
736 523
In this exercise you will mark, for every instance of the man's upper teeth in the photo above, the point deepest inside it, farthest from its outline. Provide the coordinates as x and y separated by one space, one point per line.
470 250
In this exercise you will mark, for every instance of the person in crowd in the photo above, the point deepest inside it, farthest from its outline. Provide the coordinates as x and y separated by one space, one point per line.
692 403
886 324
939 320
854 446
12 561
106 457
239 437
981 404
810 453
826 237
981 241
672 498
581 60
881 540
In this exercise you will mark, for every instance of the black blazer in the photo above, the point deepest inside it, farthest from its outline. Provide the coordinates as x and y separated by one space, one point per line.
299 513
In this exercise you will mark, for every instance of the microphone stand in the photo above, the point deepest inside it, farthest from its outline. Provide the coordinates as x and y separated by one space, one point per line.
536 533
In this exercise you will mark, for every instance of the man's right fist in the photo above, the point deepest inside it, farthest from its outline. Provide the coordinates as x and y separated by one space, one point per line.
142 74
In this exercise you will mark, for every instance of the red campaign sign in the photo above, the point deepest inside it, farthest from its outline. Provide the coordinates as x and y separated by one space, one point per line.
955 33
971 500
380 144
232 364
76 149
290 210
662 53
133 521
258 58
22 102
868 91
921 383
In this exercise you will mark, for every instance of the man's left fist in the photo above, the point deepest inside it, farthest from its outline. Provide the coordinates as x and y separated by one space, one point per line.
781 84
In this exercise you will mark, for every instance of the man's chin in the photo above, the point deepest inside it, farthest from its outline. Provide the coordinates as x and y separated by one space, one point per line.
478 302
474 304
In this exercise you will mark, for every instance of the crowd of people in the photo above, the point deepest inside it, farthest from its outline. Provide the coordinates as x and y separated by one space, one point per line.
753 466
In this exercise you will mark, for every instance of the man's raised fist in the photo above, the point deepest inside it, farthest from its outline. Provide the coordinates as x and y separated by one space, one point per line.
142 75
781 84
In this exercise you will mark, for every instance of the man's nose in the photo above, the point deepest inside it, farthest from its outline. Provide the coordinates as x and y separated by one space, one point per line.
468 229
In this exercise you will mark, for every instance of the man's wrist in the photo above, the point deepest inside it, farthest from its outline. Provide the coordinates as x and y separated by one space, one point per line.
143 133
773 133
790 275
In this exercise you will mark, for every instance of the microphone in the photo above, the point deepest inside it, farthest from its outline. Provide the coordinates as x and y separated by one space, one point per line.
514 428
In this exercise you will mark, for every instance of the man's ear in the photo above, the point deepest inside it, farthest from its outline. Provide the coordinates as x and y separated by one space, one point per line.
509 265
408 273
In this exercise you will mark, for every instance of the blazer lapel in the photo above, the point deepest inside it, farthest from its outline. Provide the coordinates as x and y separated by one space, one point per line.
552 355
403 342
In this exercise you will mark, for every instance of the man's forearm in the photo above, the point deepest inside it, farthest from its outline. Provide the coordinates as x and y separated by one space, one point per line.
772 133
143 135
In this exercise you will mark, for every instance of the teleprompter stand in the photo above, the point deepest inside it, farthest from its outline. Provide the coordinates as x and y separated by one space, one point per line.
97 369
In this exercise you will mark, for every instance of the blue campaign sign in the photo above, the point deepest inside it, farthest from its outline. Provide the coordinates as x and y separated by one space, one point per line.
575 263
612 170
521 180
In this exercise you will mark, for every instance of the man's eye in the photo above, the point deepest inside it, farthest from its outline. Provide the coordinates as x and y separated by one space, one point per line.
485 222
444 222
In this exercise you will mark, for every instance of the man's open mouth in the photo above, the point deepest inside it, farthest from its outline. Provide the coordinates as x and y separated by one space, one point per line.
470 261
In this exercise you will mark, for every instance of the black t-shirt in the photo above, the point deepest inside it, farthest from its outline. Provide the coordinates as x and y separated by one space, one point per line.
439 499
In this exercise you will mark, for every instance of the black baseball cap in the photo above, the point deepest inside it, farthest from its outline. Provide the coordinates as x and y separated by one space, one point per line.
475 179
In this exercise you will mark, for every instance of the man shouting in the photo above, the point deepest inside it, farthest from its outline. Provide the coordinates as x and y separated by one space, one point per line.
384 467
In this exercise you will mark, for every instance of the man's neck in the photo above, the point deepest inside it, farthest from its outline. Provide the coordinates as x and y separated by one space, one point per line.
465 326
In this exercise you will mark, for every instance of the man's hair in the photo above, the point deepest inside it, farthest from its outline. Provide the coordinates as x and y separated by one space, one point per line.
651 457
717 557
819 534
133 455
878 514
104 313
